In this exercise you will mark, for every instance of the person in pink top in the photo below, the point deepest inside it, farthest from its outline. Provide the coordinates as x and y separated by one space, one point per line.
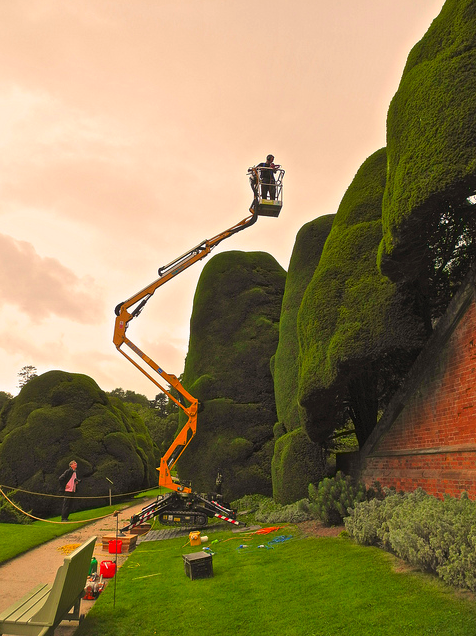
70 480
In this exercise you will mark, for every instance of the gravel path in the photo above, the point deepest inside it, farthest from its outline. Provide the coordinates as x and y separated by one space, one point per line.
39 565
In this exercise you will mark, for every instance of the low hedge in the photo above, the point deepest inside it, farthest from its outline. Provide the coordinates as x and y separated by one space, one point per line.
435 535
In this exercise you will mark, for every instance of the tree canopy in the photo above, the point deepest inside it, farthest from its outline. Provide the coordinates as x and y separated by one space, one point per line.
306 253
25 374
431 140
59 416
233 335
352 318
296 460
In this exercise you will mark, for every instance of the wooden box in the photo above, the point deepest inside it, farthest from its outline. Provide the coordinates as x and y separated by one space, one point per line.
129 541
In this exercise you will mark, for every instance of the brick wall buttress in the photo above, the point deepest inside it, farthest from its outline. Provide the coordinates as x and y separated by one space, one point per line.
427 436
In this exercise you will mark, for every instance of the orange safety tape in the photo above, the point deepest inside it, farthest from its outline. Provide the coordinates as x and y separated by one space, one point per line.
267 530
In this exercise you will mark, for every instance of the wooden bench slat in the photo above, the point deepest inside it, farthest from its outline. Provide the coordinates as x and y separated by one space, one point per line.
45 606
22 603
68 585
28 606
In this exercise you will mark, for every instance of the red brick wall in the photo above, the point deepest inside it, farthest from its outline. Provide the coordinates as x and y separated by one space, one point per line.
431 441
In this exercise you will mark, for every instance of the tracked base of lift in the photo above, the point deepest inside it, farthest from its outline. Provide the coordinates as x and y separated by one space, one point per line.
268 207
184 509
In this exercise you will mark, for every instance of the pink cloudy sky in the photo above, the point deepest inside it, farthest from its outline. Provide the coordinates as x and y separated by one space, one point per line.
127 130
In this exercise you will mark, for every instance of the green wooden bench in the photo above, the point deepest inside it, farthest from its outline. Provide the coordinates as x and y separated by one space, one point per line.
44 607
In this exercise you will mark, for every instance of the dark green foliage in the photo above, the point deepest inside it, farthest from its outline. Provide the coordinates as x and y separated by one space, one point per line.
5 398
331 499
271 513
291 454
160 416
163 405
296 462
278 430
233 335
60 416
434 535
236 305
9 514
260 508
343 441
431 139
358 332
451 251
161 428
304 259
235 438
368 521
130 396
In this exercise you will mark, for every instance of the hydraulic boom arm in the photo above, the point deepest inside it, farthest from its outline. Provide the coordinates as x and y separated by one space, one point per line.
131 308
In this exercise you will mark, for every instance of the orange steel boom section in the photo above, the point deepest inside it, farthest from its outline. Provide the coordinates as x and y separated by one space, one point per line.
131 308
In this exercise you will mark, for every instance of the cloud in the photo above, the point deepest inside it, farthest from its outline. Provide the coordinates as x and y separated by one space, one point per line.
42 287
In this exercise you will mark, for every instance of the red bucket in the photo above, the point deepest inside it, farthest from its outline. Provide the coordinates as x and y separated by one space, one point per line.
112 546
107 569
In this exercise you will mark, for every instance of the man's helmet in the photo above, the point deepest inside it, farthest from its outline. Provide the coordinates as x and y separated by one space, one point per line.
270 158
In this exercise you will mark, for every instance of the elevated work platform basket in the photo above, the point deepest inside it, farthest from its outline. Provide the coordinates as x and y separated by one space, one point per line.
267 182
269 207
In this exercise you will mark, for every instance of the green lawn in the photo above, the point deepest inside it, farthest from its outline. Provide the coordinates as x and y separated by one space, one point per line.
18 538
302 586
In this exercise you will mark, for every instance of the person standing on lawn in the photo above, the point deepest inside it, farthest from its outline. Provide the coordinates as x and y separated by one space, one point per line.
70 480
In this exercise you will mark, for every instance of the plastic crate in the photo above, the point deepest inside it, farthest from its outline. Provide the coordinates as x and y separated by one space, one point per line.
198 565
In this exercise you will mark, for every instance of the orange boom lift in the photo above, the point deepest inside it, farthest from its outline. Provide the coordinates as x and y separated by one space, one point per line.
181 506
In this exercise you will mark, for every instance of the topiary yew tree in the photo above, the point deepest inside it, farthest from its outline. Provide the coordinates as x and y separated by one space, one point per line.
358 333
58 417
297 461
304 259
233 335
429 225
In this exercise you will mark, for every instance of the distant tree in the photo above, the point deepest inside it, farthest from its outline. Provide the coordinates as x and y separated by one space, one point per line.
118 393
5 397
162 403
162 429
133 397
129 396
161 426
160 415
451 251
26 374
